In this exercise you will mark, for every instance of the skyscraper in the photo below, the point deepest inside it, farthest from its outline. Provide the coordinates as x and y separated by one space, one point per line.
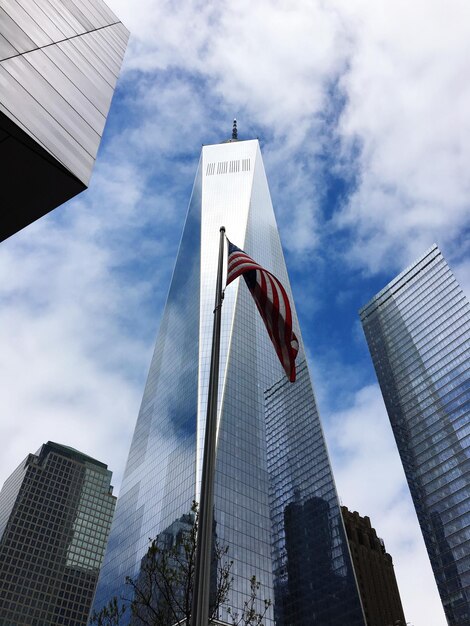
55 514
418 331
59 63
272 471
374 570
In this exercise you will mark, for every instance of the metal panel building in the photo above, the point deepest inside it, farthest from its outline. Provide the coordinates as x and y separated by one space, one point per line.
59 64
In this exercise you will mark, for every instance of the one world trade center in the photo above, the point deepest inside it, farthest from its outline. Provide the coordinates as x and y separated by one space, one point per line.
275 502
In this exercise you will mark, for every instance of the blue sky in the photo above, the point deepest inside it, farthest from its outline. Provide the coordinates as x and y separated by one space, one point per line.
362 114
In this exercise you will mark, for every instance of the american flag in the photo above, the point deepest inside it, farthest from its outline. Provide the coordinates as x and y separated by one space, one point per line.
272 302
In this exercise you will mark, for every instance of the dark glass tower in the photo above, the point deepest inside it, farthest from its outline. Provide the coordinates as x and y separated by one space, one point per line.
55 515
275 501
418 331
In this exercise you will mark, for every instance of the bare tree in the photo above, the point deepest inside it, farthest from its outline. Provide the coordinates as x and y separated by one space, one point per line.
250 616
161 594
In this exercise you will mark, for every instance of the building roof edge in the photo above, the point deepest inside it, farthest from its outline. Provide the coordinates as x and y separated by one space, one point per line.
374 302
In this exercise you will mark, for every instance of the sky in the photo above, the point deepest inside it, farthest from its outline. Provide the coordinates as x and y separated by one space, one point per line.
362 112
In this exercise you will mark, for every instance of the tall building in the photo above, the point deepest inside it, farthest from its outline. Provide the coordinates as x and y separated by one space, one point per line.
418 331
374 571
59 63
272 472
55 514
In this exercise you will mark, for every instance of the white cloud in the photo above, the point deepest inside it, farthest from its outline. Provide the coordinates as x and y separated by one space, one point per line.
401 72
67 366
407 106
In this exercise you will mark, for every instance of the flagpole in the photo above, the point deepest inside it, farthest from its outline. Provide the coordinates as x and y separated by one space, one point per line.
202 567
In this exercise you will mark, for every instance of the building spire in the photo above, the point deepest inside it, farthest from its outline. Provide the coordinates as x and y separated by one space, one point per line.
234 136
234 131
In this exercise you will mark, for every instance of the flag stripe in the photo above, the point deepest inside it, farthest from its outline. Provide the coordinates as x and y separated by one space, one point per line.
280 324
272 303
238 265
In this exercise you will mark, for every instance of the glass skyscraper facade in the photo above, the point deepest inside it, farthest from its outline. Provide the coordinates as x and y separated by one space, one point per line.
59 64
276 506
55 515
418 332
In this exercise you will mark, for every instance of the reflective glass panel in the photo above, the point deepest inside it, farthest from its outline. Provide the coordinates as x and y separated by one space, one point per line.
418 333
276 506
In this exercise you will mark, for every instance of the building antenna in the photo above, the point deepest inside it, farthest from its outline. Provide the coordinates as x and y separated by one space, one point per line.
234 131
